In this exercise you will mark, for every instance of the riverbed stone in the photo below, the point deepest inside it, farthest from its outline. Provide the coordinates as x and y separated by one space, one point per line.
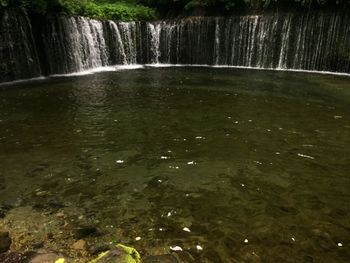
85 231
47 258
160 259
80 245
16 257
5 241
38 244
4 209
95 250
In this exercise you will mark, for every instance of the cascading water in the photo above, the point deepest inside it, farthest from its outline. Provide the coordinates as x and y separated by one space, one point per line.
117 52
317 41
128 34
74 44
308 41
154 37
217 42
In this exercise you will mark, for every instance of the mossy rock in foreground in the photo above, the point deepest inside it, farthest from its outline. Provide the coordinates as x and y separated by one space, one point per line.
120 254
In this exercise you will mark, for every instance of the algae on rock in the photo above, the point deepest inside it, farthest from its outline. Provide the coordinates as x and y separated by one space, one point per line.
120 254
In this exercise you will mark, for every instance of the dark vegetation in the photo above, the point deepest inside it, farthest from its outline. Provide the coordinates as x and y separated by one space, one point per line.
106 9
151 9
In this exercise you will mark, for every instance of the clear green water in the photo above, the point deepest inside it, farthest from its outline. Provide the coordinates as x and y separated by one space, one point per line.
230 154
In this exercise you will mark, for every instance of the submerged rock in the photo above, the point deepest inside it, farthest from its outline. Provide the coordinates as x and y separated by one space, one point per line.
4 209
15 257
47 258
95 250
32 257
38 244
119 254
80 245
82 232
160 259
5 242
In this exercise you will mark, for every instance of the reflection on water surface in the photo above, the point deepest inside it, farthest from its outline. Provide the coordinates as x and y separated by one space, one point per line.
229 165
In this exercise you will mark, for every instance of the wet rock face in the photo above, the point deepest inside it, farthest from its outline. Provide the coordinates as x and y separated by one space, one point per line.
18 55
5 242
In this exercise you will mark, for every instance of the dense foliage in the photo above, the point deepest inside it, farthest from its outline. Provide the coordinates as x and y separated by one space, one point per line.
108 9
147 9
230 5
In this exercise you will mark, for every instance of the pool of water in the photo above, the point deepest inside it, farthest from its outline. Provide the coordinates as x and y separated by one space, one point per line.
255 164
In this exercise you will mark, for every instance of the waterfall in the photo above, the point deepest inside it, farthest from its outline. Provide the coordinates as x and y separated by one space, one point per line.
154 36
74 44
217 42
285 43
128 33
117 50
307 41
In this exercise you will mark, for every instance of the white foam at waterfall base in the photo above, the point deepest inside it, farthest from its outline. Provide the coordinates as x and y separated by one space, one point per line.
248 68
99 69
163 65
74 74
159 65
21 81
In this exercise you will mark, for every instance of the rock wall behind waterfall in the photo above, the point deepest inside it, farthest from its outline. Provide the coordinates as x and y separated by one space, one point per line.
18 54
310 41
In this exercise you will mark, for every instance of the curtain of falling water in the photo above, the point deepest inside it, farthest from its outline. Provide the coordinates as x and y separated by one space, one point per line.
309 41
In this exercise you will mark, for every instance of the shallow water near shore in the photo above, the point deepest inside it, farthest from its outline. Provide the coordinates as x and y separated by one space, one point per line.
231 165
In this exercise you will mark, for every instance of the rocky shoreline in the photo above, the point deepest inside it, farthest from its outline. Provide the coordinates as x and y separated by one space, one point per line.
29 236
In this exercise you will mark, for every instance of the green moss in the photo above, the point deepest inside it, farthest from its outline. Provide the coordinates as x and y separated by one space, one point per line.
129 255
134 256
100 256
